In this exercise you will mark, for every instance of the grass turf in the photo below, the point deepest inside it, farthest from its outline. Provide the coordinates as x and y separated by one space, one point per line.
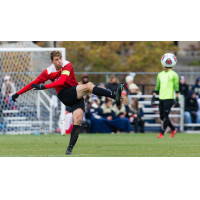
101 145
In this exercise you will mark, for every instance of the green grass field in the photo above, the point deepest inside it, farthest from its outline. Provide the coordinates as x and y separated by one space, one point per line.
101 145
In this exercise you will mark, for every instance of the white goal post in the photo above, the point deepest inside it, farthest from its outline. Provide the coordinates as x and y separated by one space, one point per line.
23 65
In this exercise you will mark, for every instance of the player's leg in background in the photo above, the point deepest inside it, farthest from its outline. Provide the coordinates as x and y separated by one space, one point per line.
166 110
77 117
173 129
84 89
165 122
170 104
161 112
171 126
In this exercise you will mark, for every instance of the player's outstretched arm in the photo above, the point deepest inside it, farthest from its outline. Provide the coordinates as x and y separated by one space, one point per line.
14 97
25 89
38 87
59 82
40 79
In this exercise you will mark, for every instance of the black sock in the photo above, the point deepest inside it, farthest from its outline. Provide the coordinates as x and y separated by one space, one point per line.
103 92
74 135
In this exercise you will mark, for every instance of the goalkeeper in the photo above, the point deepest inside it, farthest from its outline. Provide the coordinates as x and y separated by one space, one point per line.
167 83
69 92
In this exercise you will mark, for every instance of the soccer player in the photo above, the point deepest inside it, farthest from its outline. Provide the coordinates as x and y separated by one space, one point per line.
69 92
167 83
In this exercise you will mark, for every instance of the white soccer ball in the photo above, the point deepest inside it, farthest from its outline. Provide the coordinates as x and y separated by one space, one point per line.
168 60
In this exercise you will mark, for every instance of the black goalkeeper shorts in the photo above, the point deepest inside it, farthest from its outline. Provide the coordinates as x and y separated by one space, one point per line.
68 97
165 106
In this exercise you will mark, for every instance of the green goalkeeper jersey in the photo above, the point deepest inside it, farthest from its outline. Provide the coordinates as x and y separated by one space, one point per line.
167 83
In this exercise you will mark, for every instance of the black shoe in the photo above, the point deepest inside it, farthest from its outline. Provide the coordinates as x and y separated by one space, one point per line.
69 151
118 93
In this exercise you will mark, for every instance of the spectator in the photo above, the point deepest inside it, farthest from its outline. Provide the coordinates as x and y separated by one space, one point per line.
117 123
104 120
84 79
94 99
102 85
94 109
98 123
8 89
128 80
196 87
134 90
124 97
106 109
183 87
86 123
101 98
135 115
113 83
191 107
120 111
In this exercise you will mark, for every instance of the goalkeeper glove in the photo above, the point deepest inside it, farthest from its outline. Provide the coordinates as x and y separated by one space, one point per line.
14 96
176 103
38 87
153 100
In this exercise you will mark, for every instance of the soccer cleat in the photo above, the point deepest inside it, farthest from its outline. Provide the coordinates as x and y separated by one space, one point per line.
160 135
173 133
68 151
118 93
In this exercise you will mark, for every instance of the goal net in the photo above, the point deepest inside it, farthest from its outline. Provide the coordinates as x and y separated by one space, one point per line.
34 111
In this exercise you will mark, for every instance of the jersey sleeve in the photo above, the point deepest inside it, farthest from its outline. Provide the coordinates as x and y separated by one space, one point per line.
61 81
176 83
157 88
40 79
64 75
43 77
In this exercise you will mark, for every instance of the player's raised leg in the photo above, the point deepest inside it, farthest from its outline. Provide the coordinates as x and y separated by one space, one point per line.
90 88
77 117
84 89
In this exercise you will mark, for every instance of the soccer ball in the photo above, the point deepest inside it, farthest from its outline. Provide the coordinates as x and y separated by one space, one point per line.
168 60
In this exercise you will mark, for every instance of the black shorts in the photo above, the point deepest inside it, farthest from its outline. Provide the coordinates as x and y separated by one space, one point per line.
68 97
165 106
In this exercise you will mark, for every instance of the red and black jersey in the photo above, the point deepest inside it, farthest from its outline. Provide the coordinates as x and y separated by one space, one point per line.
62 78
